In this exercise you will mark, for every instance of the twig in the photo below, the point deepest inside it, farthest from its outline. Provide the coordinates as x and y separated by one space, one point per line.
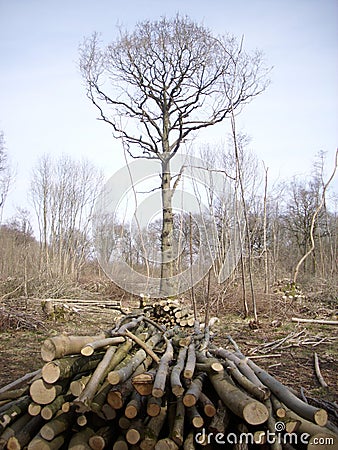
320 321
318 372
142 345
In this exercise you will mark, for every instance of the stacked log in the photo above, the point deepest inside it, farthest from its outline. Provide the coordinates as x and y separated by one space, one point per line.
143 386
170 313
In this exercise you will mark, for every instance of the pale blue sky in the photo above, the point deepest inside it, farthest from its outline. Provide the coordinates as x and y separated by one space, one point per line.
43 107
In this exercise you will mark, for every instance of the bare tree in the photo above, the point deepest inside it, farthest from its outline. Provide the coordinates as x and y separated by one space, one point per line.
63 194
6 174
159 85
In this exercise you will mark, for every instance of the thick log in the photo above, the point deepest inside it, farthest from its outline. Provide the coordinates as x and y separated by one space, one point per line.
18 408
120 375
177 432
89 349
25 435
189 442
305 426
102 438
193 392
144 382
38 443
13 429
175 377
316 415
44 393
207 405
251 410
76 387
247 385
154 406
241 364
134 406
153 430
57 425
34 409
191 362
166 444
135 432
62 345
60 369
79 440
162 371
48 411
195 417
220 421
322 441
120 443
112 357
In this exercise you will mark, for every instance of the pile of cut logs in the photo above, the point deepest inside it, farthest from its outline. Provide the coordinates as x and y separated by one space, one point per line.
170 313
141 386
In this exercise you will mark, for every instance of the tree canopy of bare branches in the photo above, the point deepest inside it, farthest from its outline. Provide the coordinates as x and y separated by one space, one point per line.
160 84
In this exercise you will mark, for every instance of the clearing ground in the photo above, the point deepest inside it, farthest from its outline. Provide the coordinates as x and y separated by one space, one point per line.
286 349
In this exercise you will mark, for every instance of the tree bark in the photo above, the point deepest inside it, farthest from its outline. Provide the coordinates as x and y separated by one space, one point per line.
62 345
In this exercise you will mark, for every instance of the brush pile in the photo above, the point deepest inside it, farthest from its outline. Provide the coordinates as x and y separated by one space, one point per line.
144 386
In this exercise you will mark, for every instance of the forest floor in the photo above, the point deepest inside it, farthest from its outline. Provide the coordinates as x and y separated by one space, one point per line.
284 348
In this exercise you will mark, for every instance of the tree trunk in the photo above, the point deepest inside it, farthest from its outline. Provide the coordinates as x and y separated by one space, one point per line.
167 288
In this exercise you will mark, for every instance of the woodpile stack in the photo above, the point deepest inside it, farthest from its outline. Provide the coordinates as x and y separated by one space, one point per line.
171 312
142 386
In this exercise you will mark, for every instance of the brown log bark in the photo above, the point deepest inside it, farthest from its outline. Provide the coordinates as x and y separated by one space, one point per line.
221 419
89 349
175 377
18 407
120 443
13 429
79 440
76 387
193 392
102 438
57 425
62 345
195 417
60 369
177 432
191 362
38 443
135 432
134 406
153 430
25 435
112 357
162 371
166 444
207 405
48 411
251 410
316 415
154 406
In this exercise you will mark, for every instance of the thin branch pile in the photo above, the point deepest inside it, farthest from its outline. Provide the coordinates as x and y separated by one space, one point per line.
143 386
